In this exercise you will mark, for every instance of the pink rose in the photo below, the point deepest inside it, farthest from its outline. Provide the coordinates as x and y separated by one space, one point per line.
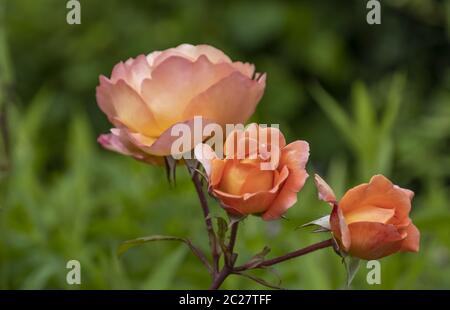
148 95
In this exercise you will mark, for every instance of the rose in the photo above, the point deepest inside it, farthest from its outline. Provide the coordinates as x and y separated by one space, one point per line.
241 183
145 97
372 220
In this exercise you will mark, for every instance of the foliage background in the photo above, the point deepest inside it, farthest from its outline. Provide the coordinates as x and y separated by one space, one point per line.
369 99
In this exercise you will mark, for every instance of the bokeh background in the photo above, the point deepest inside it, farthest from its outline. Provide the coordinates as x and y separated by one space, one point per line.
369 99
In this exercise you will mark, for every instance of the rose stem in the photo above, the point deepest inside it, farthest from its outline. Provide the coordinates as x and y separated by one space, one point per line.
208 221
285 257
228 267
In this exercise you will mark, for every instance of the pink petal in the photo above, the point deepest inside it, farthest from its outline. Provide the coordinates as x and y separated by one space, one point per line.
175 82
205 155
230 101
162 146
325 192
133 72
119 101
192 53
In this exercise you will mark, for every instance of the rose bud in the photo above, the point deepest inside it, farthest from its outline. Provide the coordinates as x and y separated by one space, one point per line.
372 220
265 180
146 96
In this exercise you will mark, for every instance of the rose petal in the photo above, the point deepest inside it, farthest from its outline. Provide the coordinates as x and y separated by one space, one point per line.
166 144
205 155
230 101
119 101
133 72
175 82
340 228
369 214
192 53
412 240
294 157
381 193
324 190
373 240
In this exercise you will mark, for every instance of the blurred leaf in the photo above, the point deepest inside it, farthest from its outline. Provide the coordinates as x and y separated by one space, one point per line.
335 113
259 257
165 271
125 246
393 104
363 110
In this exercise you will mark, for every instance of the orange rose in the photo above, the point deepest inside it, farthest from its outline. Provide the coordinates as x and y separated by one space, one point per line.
242 186
372 220
145 97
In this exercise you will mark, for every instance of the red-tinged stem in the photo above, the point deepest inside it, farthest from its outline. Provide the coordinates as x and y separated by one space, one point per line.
288 256
209 225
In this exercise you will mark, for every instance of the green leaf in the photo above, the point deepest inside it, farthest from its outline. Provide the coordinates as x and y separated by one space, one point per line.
362 107
125 246
222 226
335 113
351 266
364 114
259 257
393 104
165 272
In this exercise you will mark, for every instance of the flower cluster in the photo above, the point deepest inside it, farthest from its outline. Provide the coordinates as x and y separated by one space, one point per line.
146 97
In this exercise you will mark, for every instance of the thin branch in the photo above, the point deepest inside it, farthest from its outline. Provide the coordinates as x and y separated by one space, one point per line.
205 208
200 255
233 235
291 255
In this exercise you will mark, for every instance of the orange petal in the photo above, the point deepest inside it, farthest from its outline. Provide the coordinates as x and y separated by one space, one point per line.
257 181
381 193
294 157
252 203
325 192
369 214
246 204
217 168
339 228
230 101
374 240
287 196
412 241
234 176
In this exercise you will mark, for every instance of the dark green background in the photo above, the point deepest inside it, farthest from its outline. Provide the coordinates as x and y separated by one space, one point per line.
369 99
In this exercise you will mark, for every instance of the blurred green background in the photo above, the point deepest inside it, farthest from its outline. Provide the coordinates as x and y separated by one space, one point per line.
369 99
